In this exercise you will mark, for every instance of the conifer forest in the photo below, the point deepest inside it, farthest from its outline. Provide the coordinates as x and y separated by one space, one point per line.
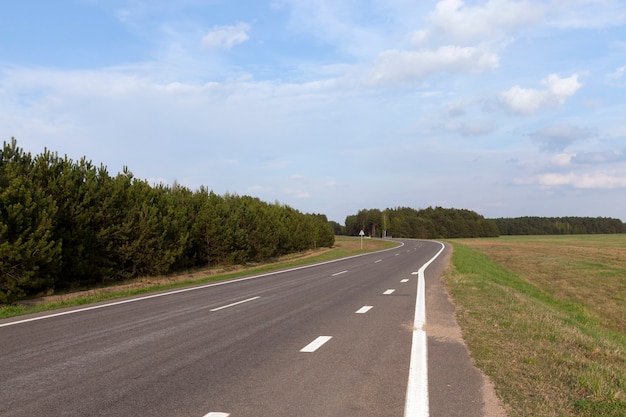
68 224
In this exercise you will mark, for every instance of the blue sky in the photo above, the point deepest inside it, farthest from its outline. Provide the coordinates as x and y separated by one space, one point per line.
509 108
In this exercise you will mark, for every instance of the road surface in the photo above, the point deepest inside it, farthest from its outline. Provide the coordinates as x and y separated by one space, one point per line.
334 339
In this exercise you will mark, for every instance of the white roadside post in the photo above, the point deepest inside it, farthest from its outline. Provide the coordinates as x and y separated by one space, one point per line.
361 233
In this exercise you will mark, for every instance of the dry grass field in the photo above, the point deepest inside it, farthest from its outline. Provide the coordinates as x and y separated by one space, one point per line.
545 317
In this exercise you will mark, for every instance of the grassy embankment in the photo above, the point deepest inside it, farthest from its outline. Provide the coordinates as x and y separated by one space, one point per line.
545 317
344 246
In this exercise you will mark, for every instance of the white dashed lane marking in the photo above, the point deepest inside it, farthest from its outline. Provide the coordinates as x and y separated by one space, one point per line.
404 280
363 309
234 304
389 291
338 273
316 344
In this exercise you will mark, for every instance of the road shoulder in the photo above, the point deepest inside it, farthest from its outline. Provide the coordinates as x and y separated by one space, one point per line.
456 386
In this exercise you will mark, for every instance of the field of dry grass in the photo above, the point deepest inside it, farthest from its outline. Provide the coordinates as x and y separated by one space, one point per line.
545 317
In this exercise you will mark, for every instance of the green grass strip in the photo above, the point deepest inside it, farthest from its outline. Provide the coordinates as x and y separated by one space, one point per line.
545 356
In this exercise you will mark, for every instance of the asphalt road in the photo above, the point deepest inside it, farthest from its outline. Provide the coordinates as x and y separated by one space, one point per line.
329 340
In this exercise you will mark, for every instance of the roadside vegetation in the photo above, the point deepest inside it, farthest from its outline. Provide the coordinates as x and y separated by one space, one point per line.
545 318
343 247
452 223
559 225
428 223
68 224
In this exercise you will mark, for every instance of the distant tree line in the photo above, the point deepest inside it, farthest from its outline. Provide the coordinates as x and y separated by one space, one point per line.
429 223
443 223
559 225
67 224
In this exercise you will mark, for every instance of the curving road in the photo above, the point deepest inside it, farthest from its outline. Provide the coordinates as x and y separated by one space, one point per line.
332 339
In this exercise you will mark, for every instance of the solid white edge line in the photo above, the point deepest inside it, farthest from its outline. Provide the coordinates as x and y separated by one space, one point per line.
199 287
416 404
363 309
316 344
234 304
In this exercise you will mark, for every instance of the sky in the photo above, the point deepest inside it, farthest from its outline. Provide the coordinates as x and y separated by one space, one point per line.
508 108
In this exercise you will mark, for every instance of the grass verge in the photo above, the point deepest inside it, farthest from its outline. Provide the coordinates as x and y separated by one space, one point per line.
544 317
344 246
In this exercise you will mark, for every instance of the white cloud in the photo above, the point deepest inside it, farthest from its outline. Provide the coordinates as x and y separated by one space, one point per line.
563 159
587 14
296 193
596 180
527 101
226 36
419 37
400 66
600 157
477 128
616 77
463 23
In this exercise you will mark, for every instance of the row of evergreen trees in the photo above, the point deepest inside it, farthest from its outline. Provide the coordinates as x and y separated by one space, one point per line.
442 223
67 224
559 225
429 223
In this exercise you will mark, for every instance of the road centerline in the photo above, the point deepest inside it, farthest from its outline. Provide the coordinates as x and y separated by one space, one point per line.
364 309
182 290
236 303
339 273
316 344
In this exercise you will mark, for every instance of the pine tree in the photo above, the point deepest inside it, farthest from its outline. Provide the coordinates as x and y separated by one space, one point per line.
29 255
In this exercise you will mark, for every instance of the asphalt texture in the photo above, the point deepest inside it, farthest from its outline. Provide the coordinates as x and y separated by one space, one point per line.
235 348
